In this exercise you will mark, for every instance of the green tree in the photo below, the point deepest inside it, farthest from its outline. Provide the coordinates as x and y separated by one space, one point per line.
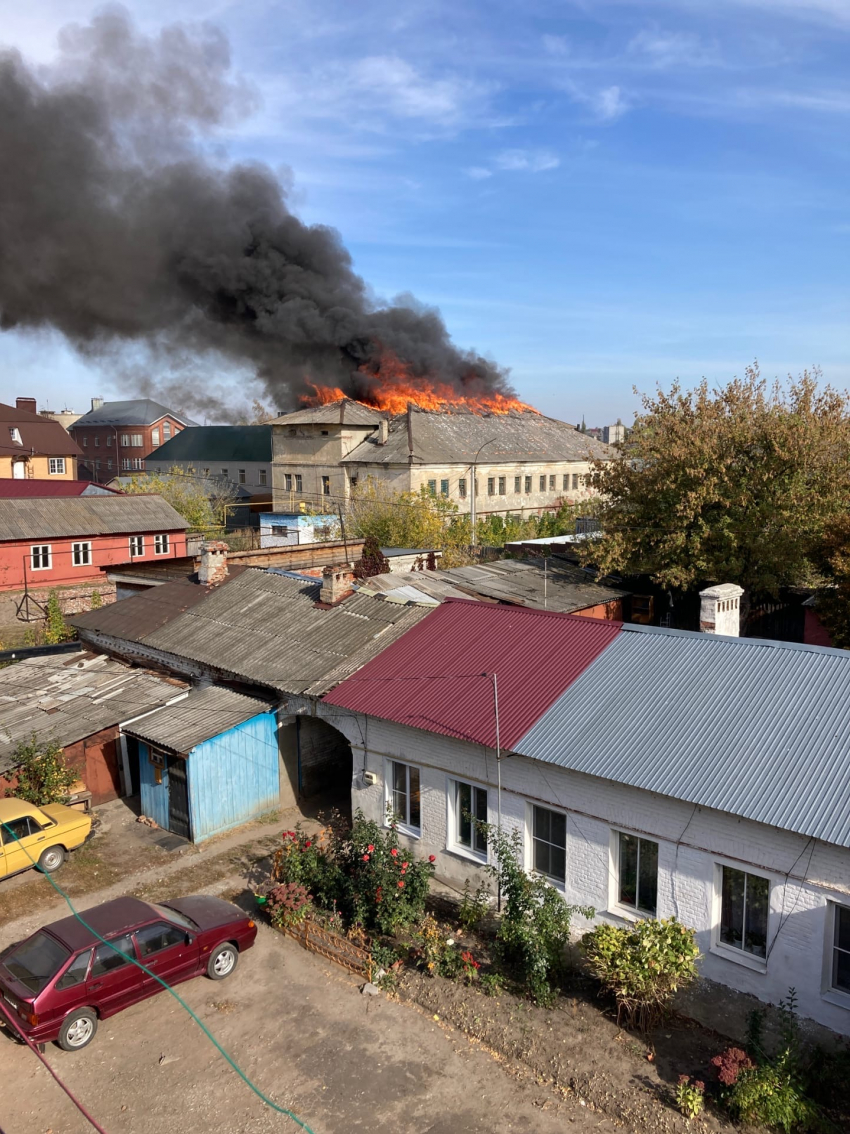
55 629
833 599
202 502
733 485
407 519
43 775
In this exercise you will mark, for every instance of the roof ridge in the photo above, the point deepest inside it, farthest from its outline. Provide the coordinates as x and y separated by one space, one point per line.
729 639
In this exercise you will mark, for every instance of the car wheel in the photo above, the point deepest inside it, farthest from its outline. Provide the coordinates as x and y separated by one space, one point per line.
78 1029
51 859
222 962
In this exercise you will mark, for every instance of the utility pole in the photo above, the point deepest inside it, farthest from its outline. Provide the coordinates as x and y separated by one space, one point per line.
498 777
473 468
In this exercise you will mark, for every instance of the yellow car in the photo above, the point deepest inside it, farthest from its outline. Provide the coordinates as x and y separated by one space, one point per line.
38 836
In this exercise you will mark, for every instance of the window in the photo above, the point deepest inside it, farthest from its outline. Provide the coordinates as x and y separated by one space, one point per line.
40 557
15 434
325 432
404 794
352 480
154 437
263 477
242 477
154 938
549 843
298 482
637 873
109 463
166 431
517 484
57 466
125 440
432 487
108 440
326 485
21 829
444 488
97 442
565 484
503 485
81 554
108 958
224 473
85 442
137 545
552 483
125 464
468 803
137 463
543 484
743 911
841 948
287 481
461 488
491 486
528 484
160 544
136 440
575 482
75 973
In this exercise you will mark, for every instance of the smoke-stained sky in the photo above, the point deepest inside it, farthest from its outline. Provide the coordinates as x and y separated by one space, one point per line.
598 194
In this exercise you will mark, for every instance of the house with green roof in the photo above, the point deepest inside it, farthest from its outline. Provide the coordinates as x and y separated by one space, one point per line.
241 454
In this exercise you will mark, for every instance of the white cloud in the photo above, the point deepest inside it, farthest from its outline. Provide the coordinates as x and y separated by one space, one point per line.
671 49
531 161
609 103
399 88
478 172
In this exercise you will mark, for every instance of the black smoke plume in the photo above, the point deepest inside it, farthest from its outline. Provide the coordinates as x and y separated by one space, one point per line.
121 229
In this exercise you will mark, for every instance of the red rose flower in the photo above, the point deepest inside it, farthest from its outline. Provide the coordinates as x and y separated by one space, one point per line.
432 858
405 865
401 885
394 852
307 844
365 858
370 848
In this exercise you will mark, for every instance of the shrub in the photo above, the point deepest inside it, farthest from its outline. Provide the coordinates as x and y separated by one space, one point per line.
690 1096
730 1063
534 930
469 966
473 906
386 885
288 904
55 628
434 949
643 965
310 861
492 983
96 600
770 1095
43 775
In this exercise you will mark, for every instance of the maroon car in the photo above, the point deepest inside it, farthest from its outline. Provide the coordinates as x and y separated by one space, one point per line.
60 981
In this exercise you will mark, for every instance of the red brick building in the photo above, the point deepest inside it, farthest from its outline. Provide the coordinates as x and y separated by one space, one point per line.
116 437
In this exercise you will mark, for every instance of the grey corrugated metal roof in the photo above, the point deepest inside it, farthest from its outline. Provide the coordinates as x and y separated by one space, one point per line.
55 517
135 411
68 697
261 626
205 713
756 729
455 438
342 412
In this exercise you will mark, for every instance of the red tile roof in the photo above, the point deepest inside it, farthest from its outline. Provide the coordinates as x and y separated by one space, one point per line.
15 489
437 676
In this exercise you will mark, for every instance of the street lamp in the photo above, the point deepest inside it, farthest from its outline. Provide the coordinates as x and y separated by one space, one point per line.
473 466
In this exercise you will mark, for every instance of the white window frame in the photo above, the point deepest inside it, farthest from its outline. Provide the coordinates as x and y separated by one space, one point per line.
81 547
529 844
453 820
56 466
41 546
166 431
721 948
830 993
263 477
125 440
138 541
404 824
621 909
97 442
155 438
15 434
287 482
243 476
161 543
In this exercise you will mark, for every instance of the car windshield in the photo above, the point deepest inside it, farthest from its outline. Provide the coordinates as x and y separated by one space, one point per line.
36 961
175 916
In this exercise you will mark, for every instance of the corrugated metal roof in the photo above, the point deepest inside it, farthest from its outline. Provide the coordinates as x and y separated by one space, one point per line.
29 488
47 518
135 411
218 444
756 729
205 713
455 438
134 618
559 586
433 678
342 412
68 697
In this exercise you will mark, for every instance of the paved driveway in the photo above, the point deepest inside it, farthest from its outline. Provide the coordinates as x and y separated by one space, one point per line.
302 1030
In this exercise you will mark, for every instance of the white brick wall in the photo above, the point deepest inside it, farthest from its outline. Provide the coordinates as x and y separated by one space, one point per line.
805 877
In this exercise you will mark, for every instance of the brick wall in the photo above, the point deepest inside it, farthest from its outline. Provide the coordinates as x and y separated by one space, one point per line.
73 600
805 876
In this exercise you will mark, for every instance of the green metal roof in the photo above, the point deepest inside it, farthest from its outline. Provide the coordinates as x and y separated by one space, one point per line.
218 443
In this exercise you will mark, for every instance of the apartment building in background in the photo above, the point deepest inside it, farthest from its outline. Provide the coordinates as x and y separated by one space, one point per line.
117 437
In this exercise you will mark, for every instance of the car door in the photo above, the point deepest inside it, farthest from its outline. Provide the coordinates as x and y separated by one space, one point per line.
114 981
68 989
22 843
169 951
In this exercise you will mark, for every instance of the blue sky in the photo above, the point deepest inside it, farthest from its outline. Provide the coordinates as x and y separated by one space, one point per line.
597 193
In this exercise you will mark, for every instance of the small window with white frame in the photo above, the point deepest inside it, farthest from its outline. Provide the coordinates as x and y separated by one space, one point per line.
40 557
137 546
744 905
15 434
81 553
56 466
468 809
404 796
637 874
549 843
160 544
839 979
263 477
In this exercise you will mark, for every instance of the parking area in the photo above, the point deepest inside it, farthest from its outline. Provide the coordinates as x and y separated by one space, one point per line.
302 1030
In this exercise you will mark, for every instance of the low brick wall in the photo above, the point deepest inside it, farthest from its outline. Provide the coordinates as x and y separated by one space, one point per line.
73 600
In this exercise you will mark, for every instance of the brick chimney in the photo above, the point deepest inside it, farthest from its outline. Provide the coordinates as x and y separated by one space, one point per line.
213 568
383 431
96 403
720 610
26 404
336 584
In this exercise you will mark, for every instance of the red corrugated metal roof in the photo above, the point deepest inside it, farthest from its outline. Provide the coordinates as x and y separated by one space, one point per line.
15 489
432 678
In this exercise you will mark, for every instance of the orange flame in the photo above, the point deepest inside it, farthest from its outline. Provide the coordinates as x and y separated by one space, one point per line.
392 387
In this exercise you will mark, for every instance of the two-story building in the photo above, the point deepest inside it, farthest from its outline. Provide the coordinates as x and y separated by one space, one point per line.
519 463
33 447
117 437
